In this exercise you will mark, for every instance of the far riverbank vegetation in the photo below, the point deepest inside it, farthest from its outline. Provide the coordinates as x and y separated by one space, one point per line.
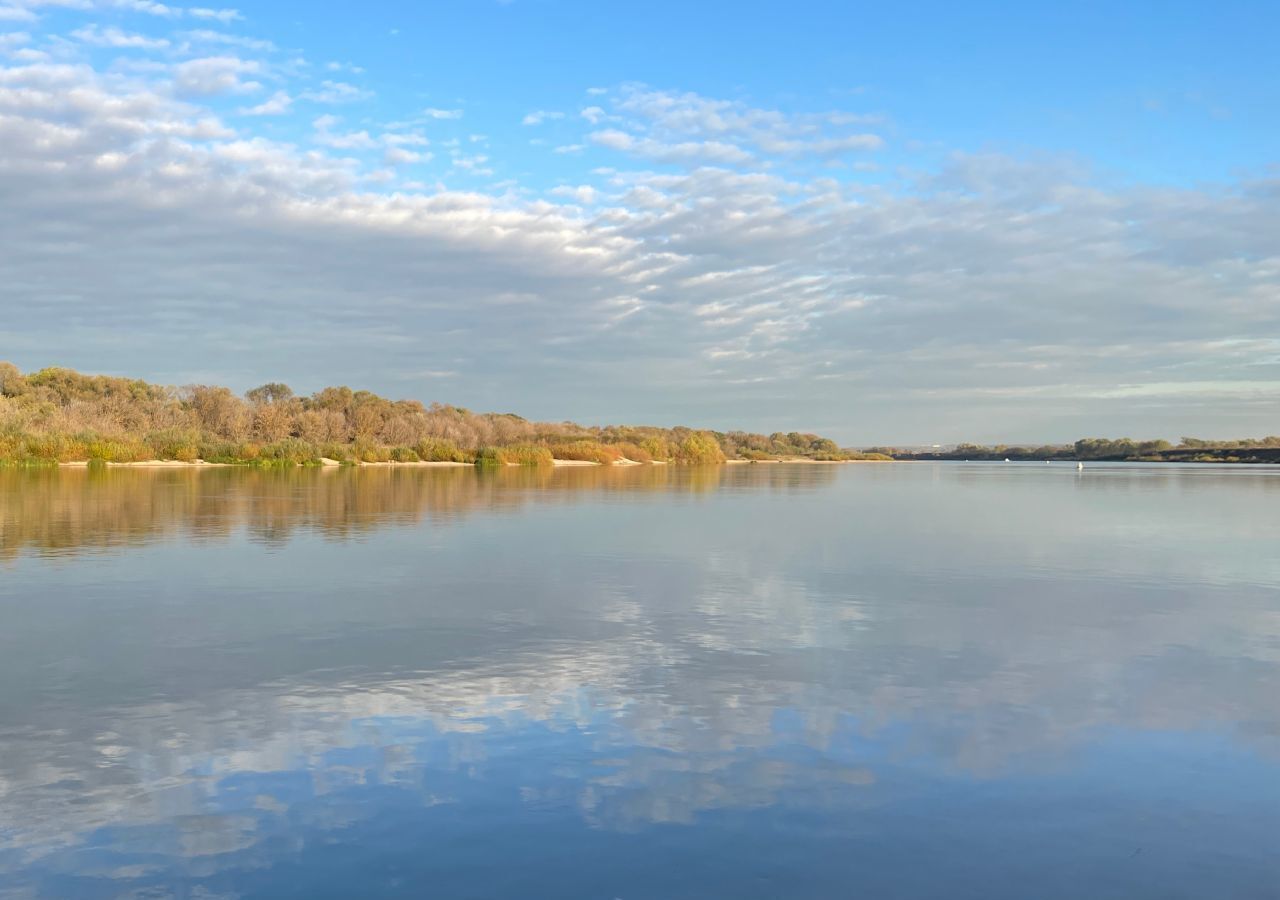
1189 449
57 415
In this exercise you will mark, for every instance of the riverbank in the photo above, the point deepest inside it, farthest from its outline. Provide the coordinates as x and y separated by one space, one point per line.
326 463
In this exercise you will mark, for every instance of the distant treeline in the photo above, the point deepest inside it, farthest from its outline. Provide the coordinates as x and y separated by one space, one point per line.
58 415
1245 450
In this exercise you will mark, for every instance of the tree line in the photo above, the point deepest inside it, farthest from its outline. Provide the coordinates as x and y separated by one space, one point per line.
59 415
1188 449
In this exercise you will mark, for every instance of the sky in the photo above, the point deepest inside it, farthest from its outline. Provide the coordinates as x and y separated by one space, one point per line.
890 223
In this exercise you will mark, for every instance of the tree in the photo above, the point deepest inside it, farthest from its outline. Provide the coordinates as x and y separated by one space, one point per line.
12 382
272 392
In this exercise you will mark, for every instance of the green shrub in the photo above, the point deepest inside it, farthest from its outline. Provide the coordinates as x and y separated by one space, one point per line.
363 451
290 451
525 455
442 450
174 443
405 455
488 456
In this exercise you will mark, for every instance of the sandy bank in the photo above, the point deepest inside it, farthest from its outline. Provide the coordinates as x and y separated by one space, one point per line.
412 465
148 464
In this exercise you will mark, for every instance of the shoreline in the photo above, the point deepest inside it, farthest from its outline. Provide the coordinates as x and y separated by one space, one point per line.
326 463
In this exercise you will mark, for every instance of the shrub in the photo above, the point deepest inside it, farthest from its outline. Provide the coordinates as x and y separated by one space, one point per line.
175 443
525 455
110 450
657 447
488 456
516 455
363 451
634 452
290 451
699 447
405 455
442 450
589 451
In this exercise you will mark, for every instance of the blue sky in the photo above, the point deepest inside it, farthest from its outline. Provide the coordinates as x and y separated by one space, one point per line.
920 223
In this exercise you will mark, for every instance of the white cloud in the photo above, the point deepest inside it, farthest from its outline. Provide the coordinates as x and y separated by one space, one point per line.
538 116
336 92
432 112
114 37
224 16
277 104
684 151
215 75
17 14
399 156
148 7
205 36
12 39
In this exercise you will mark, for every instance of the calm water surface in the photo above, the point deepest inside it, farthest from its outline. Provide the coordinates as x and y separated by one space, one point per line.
882 681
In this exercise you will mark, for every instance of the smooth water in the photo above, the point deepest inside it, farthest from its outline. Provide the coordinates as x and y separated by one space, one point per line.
792 681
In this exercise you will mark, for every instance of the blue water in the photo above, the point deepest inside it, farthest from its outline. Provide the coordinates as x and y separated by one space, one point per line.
888 681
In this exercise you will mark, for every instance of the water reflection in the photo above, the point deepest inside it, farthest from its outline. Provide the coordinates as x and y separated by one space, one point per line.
758 681
64 511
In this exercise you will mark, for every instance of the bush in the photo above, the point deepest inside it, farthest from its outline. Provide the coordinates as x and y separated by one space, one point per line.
657 447
589 451
175 443
290 451
634 452
363 451
488 456
517 455
109 450
405 455
525 455
699 447
442 450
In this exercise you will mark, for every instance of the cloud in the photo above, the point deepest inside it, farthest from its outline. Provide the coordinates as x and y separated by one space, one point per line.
17 14
336 92
709 151
398 156
114 37
432 112
537 117
215 75
277 104
205 36
688 120
224 16
739 287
